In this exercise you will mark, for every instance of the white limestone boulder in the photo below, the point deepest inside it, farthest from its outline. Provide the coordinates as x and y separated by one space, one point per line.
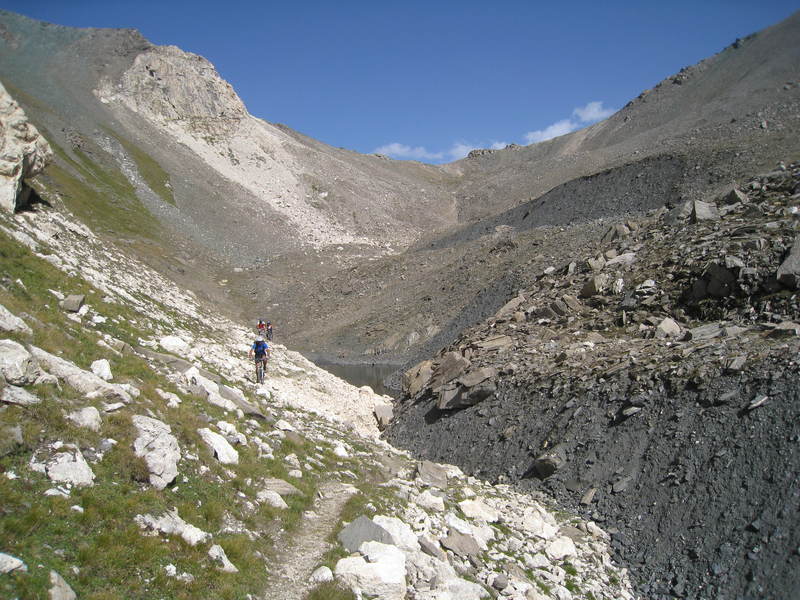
102 368
9 564
17 365
217 554
271 498
23 153
88 417
204 387
170 523
402 535
430 501
321 575
12 323
560 548
174 344
69 467
224 452
85 382
539 524
159 448
60 589
477 509
11 394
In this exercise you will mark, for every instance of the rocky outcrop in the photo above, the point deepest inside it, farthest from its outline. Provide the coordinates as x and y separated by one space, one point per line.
23 153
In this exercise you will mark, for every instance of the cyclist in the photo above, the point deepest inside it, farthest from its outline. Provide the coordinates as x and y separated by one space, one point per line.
261 327
269 330
261 351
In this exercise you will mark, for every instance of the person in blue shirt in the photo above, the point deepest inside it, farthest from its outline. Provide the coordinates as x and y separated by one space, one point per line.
261 351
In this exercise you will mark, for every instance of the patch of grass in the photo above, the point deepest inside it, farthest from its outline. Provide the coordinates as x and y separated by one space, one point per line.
570 569
330 591
98 194
152 172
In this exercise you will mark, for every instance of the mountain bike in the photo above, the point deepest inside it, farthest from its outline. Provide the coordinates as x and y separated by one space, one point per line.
261 367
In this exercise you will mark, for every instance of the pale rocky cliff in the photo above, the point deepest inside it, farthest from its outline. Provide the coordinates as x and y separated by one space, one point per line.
23 152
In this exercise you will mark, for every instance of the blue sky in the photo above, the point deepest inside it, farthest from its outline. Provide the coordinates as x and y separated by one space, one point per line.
431 80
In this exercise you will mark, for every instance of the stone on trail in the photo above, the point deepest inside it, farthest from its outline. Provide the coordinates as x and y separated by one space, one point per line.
384 576
10 563
217 554
159 448
73 302
12 323
102 368
223 451
59 589
432 474
321 575
360 530
88 417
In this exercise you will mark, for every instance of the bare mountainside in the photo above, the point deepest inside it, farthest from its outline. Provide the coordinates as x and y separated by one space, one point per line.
368 255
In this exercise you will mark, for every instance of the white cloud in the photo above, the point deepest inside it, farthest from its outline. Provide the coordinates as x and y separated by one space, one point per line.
593 111
583 115
398 150
556 129
460 150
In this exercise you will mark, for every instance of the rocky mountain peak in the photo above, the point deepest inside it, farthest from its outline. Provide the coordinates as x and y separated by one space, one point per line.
167 85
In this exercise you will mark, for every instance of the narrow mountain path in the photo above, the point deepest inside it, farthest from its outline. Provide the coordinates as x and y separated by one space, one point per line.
294 563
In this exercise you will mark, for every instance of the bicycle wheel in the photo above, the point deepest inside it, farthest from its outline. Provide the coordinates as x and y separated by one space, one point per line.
260 371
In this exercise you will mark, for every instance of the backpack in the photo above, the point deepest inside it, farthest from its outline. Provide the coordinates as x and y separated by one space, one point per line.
260 349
